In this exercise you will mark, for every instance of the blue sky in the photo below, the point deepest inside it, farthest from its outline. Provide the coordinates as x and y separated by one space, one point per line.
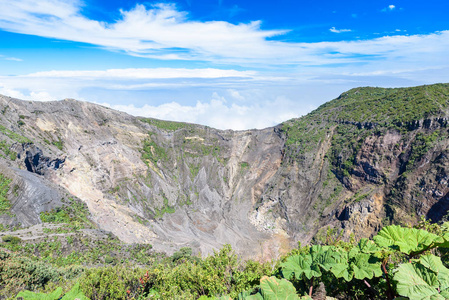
226 64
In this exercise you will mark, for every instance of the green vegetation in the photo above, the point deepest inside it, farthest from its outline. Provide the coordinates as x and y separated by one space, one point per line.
153 152
244 166
166 125
388 106
59 144
397 262
5 185
367 108
74 293
166 209
14 136
74 213
6 148
304 135
421 146
13 240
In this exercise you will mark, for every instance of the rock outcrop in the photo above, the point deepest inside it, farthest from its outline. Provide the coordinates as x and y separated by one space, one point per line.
368 158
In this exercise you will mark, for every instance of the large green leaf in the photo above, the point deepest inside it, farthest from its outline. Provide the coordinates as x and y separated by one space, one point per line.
297 265
257 296
416 281
355 264
367 246
435 264
272 288
27 295
309 265
244 295
75 293
407 240
426 278
365 266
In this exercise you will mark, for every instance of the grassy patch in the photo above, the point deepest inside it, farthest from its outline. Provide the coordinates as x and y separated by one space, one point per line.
14 136
4 189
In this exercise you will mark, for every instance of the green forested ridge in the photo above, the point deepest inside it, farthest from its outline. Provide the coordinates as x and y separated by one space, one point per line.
398 262
380 106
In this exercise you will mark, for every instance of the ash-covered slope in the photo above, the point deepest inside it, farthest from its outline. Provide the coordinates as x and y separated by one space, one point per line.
368 158
164 183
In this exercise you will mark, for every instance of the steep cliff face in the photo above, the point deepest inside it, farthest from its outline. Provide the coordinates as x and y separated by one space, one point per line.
368 158
147 181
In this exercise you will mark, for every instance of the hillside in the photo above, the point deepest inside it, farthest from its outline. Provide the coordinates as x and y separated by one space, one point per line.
369 158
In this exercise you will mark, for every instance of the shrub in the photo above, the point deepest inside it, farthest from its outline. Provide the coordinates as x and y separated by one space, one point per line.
11 239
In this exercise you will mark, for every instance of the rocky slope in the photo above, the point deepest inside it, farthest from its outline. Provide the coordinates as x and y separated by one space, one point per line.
368 158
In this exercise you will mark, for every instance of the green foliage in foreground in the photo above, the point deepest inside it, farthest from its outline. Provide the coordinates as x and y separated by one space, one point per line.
411 263
74 293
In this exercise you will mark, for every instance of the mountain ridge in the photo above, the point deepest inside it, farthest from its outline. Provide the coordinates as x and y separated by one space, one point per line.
368 158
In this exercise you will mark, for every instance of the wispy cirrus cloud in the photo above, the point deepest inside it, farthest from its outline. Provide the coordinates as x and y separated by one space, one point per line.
10 58
335 30
146 73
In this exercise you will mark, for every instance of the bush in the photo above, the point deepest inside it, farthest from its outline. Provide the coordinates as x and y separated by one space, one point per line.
11 239
111 282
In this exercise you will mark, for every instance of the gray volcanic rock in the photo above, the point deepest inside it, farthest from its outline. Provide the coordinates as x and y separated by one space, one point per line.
368 158
29 196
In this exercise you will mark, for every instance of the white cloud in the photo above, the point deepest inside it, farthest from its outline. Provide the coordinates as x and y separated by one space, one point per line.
51 85
390 7
145 73
160 31
236 95
13 59
333 29
164 32
10 58
220 113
